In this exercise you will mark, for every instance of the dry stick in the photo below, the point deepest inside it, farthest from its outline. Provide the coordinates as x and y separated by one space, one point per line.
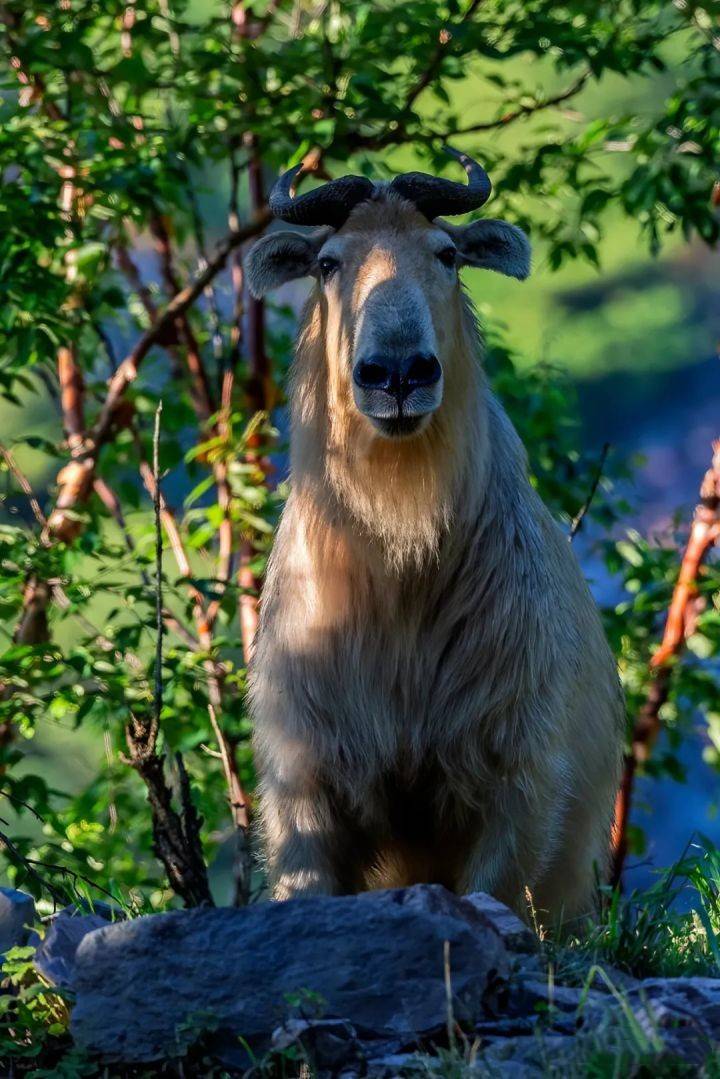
579 519
238 801
112 504
681 618
176 835
159 626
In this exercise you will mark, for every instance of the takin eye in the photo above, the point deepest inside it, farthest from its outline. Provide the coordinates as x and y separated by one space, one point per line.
328 266
447 256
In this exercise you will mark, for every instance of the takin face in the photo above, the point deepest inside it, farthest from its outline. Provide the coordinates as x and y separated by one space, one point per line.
387 271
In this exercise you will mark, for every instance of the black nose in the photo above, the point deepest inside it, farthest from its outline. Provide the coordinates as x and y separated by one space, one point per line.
397 377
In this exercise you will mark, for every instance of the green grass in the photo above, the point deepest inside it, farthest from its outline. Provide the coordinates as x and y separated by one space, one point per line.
670 930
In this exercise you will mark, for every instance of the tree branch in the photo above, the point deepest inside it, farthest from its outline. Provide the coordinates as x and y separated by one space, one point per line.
680 622
199 381
525 110
176 835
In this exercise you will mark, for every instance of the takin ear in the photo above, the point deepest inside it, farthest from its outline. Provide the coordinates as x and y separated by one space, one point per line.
283 256
492 245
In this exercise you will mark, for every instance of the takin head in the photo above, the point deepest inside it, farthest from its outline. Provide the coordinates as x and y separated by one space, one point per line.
387 270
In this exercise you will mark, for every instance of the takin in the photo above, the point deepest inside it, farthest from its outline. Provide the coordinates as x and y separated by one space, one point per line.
433 696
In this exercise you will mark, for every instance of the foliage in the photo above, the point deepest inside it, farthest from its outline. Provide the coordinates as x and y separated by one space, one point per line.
34 1018
671 929
128 134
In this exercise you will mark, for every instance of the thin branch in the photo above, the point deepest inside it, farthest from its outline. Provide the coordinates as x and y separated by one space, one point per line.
176 835
159 623
72 394
525 110
218 343
112 504
19 859
200 383
239 805
399 134
236 267
24 484
579 518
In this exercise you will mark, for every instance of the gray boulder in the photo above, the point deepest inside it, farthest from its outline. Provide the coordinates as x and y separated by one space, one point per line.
55 952
17 914
517 936
150 987
681 1013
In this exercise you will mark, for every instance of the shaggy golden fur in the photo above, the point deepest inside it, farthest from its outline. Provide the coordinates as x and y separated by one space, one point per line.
433 696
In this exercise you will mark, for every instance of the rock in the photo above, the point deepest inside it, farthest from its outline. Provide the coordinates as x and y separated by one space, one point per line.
682 1013
17 914
55 953
518 936
149 987
526 1057
328 1045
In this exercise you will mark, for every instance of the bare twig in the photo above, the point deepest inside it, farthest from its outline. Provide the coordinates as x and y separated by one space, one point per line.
112 503
579 518
159 623
176 834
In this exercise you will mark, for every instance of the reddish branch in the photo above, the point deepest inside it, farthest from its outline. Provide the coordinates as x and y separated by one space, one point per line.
128 369
680 623
205 408
259 397
199 382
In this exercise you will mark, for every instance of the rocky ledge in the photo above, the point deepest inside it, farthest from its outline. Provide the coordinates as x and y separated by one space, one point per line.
360 985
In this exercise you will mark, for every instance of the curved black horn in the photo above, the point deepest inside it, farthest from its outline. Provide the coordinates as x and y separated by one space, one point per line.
326 205
434 196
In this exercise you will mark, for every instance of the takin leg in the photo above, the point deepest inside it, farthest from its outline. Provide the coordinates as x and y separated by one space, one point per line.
311 849
567 892
547 876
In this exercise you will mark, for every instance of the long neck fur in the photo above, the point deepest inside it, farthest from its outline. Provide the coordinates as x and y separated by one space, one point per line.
404 498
